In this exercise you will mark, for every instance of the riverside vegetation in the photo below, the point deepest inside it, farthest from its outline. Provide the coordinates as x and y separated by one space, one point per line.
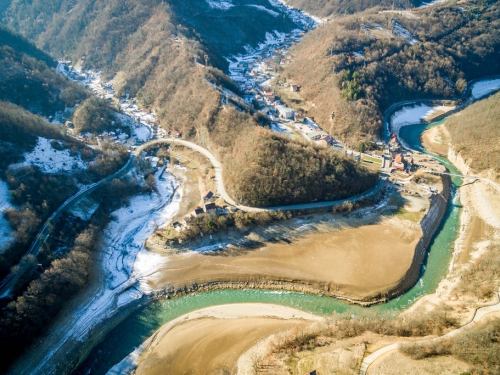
477 346
455 43
30 87
57 274
140 38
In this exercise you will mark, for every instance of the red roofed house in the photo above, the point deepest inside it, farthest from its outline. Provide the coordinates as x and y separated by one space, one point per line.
399 162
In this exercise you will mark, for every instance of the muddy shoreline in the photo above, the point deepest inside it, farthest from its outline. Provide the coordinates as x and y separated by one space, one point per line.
429 224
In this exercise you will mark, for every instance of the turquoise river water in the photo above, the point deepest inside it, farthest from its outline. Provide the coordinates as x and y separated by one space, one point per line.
135 329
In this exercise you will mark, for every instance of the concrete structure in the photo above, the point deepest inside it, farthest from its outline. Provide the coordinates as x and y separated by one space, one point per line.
286 113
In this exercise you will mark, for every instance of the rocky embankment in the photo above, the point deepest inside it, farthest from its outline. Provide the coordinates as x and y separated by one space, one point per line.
429 224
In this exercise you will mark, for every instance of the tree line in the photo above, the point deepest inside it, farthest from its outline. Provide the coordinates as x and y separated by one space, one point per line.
56 277
361 70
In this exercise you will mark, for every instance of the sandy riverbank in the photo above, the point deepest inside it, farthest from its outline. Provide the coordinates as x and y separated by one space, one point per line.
357 257
436 140
211 339
479 235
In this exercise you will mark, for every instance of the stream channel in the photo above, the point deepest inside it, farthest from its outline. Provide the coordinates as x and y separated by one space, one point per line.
136 328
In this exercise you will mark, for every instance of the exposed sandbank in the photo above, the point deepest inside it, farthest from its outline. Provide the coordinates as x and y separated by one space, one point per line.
359 262
211 339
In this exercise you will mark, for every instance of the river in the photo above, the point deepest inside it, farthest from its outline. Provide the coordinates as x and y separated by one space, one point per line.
132 331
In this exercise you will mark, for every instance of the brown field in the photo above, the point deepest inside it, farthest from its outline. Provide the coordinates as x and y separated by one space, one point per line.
354 261
395 363
212 340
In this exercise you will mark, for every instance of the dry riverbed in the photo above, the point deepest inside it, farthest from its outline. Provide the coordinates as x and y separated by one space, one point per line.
358 256
212 339
479 237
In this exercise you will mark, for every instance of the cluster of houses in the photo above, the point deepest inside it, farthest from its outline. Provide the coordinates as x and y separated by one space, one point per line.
253 73
312 132
209 207
105 90
400 161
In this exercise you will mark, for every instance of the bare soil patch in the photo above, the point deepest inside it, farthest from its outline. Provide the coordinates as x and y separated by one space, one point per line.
213 339
354 261
436 140
395 363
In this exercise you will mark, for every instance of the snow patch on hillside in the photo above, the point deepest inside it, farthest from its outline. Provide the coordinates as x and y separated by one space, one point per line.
5 229
484 88
50 160
425 4
85 208
125 236
142 133
221 5
264 9
439 108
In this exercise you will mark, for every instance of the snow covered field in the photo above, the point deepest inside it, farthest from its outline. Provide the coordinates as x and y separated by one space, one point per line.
5 230
280 128
50 160
484 88
126 264
142 133
264 9
125 236
425 4
438 109
85 208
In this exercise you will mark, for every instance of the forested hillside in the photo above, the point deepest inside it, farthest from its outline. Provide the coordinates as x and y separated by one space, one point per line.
277 171
156 50
475 134
40 167
364 63
27 78
331 8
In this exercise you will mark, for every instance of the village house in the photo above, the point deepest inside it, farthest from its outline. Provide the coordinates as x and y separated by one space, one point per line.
294 88
285 113
209 207
177 226
198 211
317 135
399 162
208 195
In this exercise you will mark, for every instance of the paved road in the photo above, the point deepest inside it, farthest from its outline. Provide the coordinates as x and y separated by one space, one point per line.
223 193
480 312
11 278
466 96
478 315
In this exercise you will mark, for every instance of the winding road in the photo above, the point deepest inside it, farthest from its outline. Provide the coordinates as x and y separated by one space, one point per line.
11 279
221 190
478 315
